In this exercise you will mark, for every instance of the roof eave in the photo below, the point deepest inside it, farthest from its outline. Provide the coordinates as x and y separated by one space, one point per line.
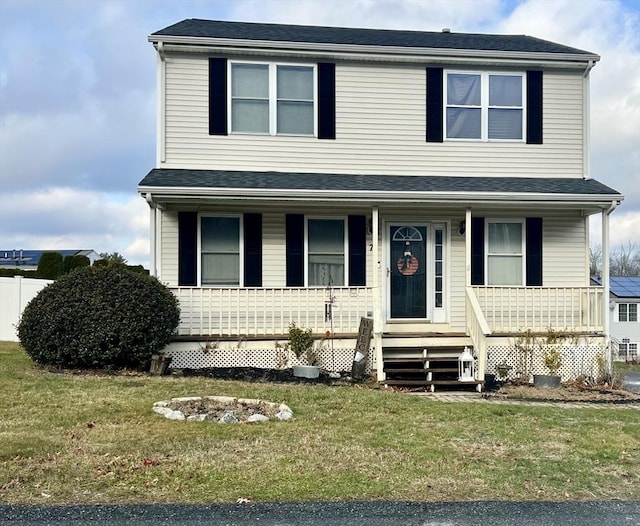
209 44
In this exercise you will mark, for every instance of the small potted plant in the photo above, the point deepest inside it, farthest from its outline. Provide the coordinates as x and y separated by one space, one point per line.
552 361
301 344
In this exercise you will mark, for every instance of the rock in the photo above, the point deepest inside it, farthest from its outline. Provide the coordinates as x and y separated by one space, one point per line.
163 403
249 401
160 409
186 399
174 415
285 407
222 399
229 418
197 418
257 418
284 416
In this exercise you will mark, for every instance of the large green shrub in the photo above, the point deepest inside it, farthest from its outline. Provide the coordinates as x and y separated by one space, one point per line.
50 265
99 317
73 262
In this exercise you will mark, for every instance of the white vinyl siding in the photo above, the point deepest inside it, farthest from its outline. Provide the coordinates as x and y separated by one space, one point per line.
380 128
169 248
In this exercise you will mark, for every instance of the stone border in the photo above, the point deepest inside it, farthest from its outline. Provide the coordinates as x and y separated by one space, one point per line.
285 414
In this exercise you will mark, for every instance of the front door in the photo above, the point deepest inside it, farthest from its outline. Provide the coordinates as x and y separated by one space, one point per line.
408 271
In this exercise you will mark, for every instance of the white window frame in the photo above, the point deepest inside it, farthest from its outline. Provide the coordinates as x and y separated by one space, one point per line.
273 97
628 313
523 249
345 278
239 217
484 104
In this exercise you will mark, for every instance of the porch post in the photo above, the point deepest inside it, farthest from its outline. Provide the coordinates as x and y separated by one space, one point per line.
467 248
605 284
153 237
377 293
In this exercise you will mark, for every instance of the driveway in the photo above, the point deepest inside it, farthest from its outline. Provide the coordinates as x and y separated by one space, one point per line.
334 514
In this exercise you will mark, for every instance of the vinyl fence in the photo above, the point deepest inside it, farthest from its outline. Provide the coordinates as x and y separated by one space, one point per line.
15 293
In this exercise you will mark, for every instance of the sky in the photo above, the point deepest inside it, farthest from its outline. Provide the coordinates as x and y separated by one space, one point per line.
78 104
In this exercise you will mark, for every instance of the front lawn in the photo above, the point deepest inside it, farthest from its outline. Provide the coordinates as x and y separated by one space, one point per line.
92 438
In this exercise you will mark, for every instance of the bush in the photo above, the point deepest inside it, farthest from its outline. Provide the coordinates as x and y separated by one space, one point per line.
50 265
99 317
74 262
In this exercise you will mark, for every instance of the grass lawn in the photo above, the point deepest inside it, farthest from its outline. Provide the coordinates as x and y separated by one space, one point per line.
76 438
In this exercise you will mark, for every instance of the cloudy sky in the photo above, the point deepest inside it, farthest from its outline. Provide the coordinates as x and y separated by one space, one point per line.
77 99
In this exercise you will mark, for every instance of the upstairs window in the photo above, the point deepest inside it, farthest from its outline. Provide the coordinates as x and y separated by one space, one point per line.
484 106
627 312
273 99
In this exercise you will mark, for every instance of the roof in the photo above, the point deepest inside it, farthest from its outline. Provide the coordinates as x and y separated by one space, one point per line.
622 286
210 29
30 258
223 182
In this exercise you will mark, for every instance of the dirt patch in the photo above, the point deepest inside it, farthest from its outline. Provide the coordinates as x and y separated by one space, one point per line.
566 393
250 374
214 410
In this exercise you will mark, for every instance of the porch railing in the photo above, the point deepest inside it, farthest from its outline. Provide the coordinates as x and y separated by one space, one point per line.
515 309
269 311
478 329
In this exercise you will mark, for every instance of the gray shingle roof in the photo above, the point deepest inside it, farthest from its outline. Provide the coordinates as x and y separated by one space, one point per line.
251 180
361 37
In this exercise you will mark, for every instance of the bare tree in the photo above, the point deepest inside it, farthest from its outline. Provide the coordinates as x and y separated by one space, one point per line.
595 259
625 260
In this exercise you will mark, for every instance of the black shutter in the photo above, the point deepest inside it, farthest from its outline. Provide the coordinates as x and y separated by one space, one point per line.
434 105
187 248
217 96
357 251
252 250
534 251
295 250
534 107
477 251
326 100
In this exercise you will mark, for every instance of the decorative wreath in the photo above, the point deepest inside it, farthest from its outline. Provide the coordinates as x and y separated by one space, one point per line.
408 266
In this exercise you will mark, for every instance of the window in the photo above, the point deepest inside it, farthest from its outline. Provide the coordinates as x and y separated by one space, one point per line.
627 351
505 253
272 99
326 252
627 312
220 259
484 106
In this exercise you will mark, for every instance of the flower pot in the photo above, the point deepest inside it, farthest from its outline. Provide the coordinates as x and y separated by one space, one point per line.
546 381
306 371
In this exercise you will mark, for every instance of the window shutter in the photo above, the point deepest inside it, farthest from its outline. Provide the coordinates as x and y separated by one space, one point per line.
534 107
217 96
326 100
187 249
252 250
295 250
357 251
434 105
477 251
534 251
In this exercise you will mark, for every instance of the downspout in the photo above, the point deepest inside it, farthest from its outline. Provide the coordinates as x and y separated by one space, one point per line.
586 116
153 238
605 283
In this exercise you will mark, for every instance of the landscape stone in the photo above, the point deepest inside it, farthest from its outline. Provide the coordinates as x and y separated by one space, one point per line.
284 416
257 418
229 418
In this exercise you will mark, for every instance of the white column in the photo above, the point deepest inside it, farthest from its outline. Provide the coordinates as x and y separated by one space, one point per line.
153 239
467 247
378 292
605 284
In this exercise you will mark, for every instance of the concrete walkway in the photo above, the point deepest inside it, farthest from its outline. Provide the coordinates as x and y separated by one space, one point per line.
462 397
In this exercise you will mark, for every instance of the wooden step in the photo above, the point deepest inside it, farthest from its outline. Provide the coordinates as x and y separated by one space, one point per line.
408 370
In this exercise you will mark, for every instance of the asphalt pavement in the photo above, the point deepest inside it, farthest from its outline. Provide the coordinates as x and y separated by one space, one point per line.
374 513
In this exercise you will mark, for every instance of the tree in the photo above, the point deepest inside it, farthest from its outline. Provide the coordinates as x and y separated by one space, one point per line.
113 257
73 262
595 260
625 260
50 266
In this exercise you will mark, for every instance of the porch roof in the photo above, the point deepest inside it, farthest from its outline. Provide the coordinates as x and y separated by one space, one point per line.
162 183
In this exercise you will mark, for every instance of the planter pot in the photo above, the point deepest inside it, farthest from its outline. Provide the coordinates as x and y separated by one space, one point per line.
306 371
546 381
490 381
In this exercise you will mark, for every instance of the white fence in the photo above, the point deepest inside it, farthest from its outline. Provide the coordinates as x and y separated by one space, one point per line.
15 293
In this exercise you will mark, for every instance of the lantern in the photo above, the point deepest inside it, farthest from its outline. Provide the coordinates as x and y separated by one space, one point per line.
466 368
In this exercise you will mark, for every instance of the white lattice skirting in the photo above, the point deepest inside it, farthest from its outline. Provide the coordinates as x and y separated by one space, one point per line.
577 360
200 355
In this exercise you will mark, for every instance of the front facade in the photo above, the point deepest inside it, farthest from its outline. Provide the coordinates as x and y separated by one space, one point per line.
437 183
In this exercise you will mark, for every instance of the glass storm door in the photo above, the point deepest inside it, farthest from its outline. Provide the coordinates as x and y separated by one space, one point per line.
408 271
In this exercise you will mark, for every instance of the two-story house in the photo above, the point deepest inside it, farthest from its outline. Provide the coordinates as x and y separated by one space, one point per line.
436 182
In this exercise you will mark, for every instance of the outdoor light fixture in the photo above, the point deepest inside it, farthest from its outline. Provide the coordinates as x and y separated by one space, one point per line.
466 368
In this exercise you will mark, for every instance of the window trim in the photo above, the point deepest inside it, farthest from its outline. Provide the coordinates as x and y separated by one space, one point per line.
523 249
627 313
484 104
273 97
240 219
344 219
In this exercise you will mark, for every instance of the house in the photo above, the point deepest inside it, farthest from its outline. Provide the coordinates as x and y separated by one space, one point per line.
435 182
624 301
29 259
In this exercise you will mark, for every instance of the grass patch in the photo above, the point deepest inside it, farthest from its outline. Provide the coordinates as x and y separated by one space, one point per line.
82 438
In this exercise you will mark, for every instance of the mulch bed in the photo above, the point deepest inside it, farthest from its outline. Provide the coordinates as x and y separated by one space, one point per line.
602 394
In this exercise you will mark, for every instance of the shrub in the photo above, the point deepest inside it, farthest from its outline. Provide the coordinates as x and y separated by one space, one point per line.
74 262
50 265
99 317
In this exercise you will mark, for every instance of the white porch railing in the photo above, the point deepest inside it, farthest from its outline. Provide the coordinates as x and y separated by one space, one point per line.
478 329
515 309
269 311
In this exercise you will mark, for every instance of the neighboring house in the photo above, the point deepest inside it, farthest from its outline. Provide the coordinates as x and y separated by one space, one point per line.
623 315
28 259
438 183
